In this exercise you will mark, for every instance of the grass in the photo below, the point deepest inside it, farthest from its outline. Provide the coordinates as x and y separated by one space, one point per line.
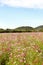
21 49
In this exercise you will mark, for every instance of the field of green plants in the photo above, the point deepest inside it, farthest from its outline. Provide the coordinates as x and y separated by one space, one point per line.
21 48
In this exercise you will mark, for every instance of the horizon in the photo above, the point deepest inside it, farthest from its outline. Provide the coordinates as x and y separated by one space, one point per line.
19 13
20 26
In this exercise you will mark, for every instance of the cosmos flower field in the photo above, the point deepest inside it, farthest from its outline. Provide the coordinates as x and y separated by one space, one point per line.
21 48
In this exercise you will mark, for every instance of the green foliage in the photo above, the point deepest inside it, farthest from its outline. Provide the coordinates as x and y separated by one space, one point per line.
4 58
19 29
2 30
23 29
39 28
24 50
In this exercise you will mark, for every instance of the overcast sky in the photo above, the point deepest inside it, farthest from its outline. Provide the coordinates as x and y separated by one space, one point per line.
15 13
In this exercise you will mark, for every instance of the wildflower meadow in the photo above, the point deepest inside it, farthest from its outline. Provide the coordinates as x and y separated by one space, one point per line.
21 48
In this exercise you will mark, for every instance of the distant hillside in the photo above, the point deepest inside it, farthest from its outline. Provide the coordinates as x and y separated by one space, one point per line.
23 29
39 28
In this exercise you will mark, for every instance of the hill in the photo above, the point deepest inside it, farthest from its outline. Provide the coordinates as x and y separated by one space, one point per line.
23 29
39 28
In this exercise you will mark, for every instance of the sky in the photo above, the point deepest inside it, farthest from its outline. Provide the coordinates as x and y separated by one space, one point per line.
17 13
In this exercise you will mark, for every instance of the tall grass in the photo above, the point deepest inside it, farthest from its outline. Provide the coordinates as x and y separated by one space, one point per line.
20 49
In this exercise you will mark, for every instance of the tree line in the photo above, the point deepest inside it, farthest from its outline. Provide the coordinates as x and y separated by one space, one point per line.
23 29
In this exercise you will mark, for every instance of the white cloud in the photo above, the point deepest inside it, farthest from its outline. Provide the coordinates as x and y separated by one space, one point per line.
23 3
